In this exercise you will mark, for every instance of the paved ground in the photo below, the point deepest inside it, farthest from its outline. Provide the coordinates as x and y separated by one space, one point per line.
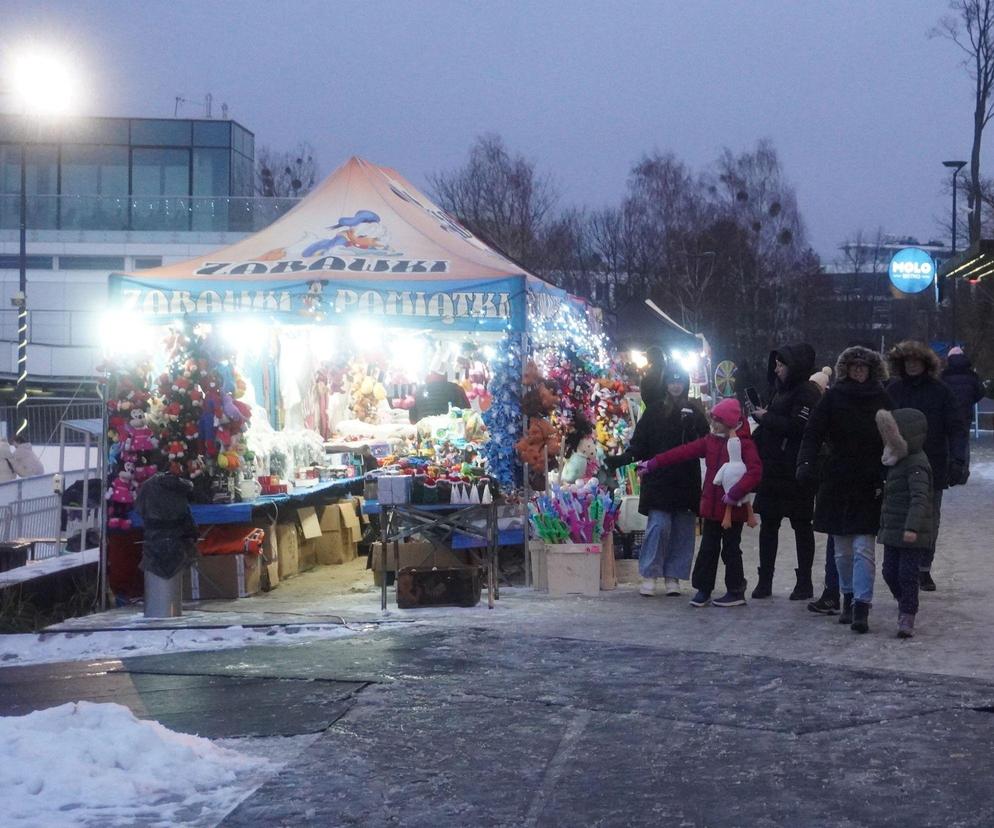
617 710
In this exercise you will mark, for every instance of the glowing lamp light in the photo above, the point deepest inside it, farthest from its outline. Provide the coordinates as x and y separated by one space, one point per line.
639 359
687 360
128 336
42 82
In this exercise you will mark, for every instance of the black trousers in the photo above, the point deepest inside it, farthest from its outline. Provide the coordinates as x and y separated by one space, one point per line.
804 541
719 543
901 567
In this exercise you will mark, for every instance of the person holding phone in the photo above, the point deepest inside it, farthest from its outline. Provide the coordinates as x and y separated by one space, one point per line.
778 437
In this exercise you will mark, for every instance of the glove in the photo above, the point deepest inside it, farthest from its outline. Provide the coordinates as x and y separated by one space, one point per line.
957 473
805 473
614 462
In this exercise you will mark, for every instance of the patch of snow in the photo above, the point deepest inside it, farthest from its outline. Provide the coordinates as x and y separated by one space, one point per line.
31 648
46 566
86 764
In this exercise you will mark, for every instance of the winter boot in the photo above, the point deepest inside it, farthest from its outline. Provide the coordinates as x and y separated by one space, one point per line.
905 625
803 590
764 587
846 616
861 617
828 604
925 582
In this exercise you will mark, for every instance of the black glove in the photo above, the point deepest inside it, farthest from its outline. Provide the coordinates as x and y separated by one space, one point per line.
805 473
614 462
957 473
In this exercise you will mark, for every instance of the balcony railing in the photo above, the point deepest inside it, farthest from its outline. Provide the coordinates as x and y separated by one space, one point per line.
161 213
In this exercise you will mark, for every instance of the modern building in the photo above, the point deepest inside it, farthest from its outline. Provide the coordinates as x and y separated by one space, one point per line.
106 194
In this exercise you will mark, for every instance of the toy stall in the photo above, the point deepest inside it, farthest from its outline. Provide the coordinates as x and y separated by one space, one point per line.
364 343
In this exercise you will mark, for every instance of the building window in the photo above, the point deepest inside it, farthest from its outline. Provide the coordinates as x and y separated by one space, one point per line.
8 262
146 262
161 133
89 176
104 131
212 133
160 184
91 262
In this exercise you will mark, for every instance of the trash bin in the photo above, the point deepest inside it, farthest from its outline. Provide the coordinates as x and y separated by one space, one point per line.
163 596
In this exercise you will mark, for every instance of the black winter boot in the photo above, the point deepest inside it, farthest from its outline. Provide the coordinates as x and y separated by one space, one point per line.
861 617
828 604
764 587
804 590
846 616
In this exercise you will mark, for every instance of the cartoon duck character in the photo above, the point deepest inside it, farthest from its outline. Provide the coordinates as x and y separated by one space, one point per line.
362 231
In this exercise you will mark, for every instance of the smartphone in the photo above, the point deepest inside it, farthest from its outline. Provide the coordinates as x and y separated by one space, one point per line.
753 396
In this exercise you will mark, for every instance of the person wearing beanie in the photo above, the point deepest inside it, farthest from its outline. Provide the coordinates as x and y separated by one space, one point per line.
822 378
778 438
965 384
669 497
847 505
718 540
916 384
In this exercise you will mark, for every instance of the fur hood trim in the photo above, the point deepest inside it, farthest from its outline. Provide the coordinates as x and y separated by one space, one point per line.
857 353
912 349
903 432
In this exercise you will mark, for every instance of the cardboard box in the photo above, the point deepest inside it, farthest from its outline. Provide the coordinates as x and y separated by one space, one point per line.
330 550
330 518
351 530
540 568
417 555
307 554
574 568
270 555
223 576
363 517
627 570
310 525
288 548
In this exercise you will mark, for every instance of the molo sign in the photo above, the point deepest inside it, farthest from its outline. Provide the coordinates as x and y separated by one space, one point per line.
911 270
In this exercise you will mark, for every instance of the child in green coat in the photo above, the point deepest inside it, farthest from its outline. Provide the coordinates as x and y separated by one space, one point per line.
906 514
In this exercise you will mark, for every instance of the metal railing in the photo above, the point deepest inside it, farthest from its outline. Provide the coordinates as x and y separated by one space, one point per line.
236 214
44 416
37 519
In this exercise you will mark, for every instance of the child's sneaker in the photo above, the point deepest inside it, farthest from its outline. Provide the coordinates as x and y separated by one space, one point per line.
647 587
730 599
672 586
700 599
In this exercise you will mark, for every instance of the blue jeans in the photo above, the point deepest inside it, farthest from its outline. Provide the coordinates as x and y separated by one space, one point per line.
855 558
668 546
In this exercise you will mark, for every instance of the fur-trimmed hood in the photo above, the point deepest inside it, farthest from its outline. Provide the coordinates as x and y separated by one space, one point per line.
912 349
857 353
903 432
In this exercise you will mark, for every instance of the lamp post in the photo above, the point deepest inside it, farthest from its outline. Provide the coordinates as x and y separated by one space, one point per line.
955 166
41 84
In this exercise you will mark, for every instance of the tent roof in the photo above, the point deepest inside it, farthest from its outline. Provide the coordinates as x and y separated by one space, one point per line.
363 221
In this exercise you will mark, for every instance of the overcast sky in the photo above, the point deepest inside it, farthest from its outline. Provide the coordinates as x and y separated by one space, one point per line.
862 106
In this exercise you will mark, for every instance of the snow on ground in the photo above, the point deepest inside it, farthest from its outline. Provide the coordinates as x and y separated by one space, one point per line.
48 566
39 648
85 764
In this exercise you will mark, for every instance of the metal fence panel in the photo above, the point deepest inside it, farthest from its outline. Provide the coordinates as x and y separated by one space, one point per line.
44 417
34 518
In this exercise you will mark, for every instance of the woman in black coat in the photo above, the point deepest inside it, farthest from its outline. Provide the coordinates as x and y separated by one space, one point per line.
670 497
847 505
778 438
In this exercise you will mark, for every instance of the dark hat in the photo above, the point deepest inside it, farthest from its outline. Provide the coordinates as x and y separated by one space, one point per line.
674 374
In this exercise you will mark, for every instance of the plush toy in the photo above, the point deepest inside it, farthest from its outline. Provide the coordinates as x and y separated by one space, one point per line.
176 450
139 435
121 498
728 475
583 453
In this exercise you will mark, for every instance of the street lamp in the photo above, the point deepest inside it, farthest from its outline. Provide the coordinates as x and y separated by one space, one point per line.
955 166
41 83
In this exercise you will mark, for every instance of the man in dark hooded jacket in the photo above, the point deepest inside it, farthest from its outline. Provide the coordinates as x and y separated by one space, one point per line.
916 384
778 438
967 389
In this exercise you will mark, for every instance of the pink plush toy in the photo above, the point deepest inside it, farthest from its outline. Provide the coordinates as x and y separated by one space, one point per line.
139 435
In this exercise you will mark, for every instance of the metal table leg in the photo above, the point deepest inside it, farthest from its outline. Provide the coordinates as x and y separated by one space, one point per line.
384 523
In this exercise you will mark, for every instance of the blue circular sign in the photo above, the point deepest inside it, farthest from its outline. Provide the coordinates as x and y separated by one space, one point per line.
911 270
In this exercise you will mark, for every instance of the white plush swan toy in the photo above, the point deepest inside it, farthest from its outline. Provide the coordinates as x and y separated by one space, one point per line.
728 475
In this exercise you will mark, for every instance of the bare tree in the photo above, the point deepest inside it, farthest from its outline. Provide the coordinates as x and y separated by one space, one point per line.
971 28
500 198
286 174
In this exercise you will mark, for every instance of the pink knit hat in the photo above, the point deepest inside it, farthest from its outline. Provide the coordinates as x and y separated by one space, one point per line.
727 412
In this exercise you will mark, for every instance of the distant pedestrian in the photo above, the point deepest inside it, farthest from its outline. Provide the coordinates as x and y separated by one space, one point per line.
906 514
24 459
669 497
718 540
916 384
7 472
847 505
778 438
965 384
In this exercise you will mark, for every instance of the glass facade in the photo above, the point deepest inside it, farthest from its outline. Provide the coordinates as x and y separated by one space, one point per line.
120 174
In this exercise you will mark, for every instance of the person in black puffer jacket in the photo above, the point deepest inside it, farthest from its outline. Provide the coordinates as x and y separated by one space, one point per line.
781 427
915 367
670 497
847 505
965 384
